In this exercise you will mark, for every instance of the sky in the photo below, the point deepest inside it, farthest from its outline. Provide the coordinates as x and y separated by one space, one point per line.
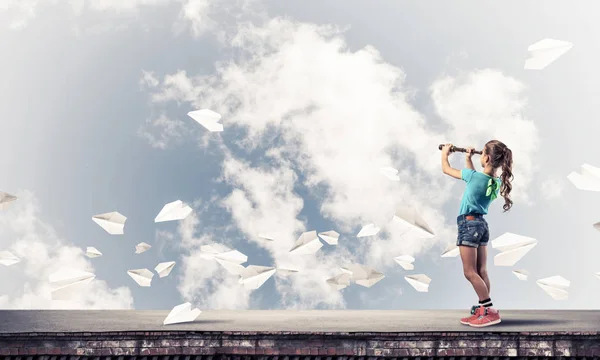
315 97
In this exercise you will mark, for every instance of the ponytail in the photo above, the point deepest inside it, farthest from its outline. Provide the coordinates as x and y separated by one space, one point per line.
506 177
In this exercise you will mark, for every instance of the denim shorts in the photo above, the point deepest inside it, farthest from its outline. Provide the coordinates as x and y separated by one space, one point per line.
473 232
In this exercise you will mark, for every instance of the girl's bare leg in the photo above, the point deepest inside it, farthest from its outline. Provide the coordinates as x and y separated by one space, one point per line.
468 256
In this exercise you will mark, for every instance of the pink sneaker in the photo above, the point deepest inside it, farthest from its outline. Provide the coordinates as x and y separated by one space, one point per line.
488 316
476 311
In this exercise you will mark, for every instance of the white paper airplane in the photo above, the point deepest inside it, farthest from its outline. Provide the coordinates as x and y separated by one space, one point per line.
513 247
452 251
92 252
406 261
368 230
555 286
597 226
308 243
544 52
286 271
175 210
413 223
232 256
597 275
112 222
142 247
6 200
254 276
340 281
141 276
390 173
207 118
268 237
521 274
363 275
67 282
181 314
588 179
231 267
164 268
330 237
7 258
420 282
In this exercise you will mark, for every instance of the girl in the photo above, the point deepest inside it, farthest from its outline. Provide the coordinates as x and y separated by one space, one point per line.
473 233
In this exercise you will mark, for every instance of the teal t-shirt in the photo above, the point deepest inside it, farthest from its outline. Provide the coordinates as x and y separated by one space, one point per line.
477 198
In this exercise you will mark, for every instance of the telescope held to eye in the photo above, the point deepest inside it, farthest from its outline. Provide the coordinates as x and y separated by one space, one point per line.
457 149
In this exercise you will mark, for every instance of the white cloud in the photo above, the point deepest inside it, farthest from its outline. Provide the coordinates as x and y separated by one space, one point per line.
551 189
331 118
25 285
162 131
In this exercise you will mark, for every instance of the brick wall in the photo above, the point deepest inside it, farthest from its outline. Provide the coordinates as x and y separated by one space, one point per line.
301 346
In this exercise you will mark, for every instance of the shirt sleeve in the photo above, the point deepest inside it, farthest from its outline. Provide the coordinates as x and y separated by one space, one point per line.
466 174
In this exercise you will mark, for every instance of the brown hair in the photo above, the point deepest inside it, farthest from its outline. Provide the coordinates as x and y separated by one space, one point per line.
501 156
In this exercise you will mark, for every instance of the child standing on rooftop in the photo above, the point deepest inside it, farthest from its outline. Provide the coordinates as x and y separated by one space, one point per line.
473 232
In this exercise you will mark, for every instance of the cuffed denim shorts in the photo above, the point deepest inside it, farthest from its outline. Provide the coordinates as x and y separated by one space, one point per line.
473 232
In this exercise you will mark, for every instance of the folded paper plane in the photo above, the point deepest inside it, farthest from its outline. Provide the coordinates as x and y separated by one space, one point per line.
141 276
406 261
207 118
340 281
330 237
181 314
254 276
142 247
286 270
66 282
92 252
597 275
390 173
308 243
452 251
175 210
597 226
7 258
544 52
521 274
232 256
413 224
6 200
268 237
588 179
164 268
368 230
363 275
512 248
231 267
112 222
555 286
420 282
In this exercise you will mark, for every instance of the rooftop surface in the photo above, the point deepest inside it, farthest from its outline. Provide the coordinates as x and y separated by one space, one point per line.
310 321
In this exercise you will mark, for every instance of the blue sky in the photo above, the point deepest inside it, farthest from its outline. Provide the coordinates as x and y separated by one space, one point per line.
315 98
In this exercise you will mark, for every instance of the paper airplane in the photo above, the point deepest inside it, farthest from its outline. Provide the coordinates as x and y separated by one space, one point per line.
254 276
175 210
452 251
92 252
6 200
555 286
544 52
181 314
112 222
363 275
286 271
588 180
164 268
308 243
521 274
67 282
406 261
390 173
597 274
513 247
368 230
268 237
330 237
597 226
141 276
414 224
232 256
420 282
207 118
142 247
7 258
339 282
231 267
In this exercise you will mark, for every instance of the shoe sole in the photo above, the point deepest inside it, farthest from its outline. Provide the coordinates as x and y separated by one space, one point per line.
464 322
486 324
